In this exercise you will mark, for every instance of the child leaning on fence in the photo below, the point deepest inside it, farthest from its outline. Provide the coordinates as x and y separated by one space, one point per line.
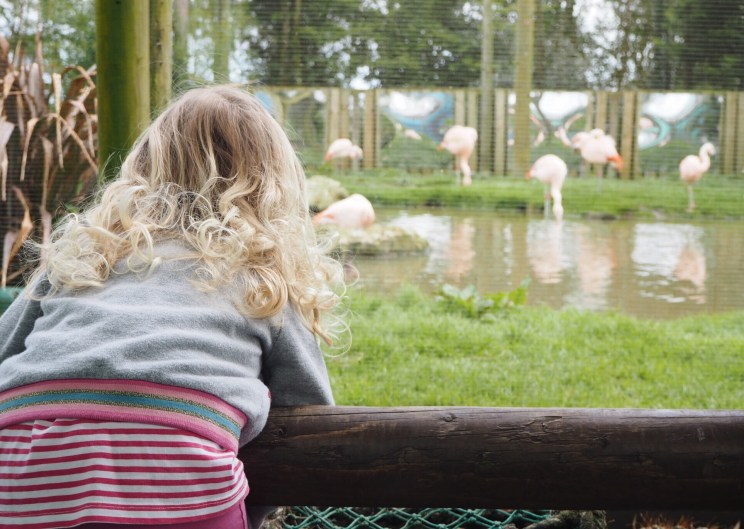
161 325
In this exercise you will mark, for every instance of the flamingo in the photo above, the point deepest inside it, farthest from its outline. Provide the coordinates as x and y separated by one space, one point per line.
343 148
354 211
551 171
692 168
596 147
460 141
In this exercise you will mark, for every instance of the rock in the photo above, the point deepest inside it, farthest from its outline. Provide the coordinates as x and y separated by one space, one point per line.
380 240
323 191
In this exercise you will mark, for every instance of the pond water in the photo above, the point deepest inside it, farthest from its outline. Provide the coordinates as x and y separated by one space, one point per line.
645 268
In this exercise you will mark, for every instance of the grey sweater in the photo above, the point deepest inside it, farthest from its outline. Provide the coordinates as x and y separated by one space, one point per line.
159 328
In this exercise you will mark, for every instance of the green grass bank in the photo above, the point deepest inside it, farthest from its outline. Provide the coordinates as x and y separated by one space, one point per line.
409 349
719 197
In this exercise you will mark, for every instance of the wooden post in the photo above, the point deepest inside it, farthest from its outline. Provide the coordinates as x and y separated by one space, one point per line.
501 121
459 107
591 99
740 134
629 134
333 110
161 53
485 130
180 43
471 120
370 128
528 458
343 114
600 112
123 80
523 64
728 133
222 41
356 119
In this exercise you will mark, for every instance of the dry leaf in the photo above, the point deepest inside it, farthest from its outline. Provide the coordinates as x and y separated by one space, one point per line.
26 228
27 144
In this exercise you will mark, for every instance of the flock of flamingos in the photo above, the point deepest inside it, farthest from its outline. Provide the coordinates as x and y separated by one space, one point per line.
595 147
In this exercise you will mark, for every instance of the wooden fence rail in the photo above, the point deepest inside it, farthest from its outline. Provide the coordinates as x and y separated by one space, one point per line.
530 458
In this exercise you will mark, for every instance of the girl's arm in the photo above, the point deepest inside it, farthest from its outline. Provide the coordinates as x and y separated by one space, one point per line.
294 370
295 374
16 323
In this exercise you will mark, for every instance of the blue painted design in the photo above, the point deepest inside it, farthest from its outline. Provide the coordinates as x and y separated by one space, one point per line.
125 399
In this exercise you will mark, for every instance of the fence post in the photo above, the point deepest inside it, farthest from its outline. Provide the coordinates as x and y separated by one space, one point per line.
728 133
486 129
471 120
459 113
524 62
628 135
600 112
501 123
740 134
123 57
370 129
356 133
333 111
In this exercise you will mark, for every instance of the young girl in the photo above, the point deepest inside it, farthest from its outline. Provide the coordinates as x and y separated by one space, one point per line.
161 325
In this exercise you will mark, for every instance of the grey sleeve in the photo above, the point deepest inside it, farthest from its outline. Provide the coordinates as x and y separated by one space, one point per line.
295 374
16 323
293 369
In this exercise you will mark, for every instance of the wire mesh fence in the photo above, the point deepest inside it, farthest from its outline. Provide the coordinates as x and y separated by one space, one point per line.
395 518
661 77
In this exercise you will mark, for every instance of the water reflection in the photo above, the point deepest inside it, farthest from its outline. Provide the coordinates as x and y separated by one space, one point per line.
670 261
545 251
646 269
596 261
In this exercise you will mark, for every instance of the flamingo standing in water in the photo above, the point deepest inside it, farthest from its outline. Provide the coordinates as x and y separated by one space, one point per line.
551 171
692 168
460 141
598 148
354 211
343 148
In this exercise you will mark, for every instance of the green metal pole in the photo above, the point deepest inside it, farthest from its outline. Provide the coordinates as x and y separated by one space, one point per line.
123 62
523 83
180 44
486 145
161 53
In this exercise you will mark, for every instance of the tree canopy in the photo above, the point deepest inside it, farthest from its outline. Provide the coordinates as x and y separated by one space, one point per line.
579 44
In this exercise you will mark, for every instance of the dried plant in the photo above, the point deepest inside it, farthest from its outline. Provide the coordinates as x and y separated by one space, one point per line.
48 143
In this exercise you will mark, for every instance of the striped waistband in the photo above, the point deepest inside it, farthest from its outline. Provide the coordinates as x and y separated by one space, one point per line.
125 400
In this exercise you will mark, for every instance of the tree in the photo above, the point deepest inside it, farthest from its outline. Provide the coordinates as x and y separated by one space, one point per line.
299 42
622 45
707 43
67 27
436 43
561 50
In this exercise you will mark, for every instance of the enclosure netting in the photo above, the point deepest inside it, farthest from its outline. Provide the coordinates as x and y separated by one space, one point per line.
661 77
332 518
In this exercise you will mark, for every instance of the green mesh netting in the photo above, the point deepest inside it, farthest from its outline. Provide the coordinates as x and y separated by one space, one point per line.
396 518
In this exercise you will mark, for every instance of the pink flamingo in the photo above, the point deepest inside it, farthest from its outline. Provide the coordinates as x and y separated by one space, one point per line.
354 211
598 148
551 171
460 141
692 168
343 148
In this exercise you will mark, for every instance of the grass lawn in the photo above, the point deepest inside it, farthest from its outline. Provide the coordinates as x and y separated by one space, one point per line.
410 350
716 196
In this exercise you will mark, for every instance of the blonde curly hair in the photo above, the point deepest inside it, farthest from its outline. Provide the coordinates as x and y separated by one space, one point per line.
217 172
